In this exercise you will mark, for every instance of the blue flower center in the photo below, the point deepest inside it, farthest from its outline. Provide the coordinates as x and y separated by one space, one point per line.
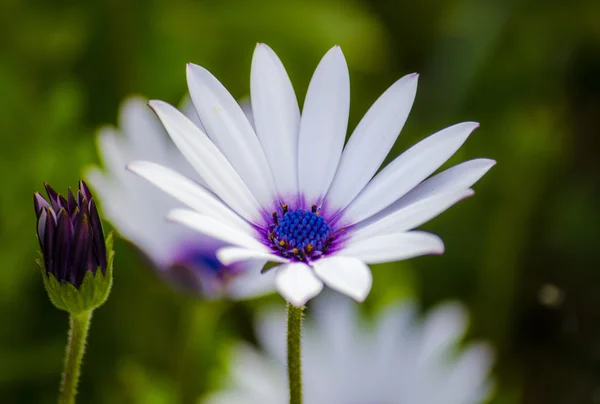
300 234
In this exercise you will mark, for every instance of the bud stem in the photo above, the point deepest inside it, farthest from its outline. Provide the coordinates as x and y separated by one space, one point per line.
79 326
294 339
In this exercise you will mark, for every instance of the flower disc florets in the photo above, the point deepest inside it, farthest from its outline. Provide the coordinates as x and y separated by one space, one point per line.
300 234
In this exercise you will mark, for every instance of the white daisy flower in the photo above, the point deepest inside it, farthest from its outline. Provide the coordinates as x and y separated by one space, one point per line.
398 359
137 209
288 191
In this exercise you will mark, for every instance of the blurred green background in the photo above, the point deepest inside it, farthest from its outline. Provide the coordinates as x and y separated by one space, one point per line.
522 254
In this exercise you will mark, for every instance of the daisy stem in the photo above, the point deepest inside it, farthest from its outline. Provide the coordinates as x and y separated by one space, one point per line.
79 326
294 336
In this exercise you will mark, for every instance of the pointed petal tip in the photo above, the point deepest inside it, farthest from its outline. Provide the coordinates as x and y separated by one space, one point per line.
360 299
262 47
361 296
39 203
51 192
474 124
469 193
437 247
154 104
190 67
409 82
336 52
297 283
467 127
85 190
293 300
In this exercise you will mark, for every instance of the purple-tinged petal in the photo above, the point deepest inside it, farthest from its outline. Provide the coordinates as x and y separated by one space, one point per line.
98 236
39 202
82 244
76 218
41 226
52 195
85 207
49 239
80 198
85 190
71 203
62 203
62 248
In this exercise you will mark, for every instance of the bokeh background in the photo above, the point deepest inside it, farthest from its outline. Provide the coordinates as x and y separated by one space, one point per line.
522 254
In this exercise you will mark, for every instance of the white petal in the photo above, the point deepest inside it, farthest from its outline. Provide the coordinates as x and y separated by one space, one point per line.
227 126
371 141
393 247
409 217
347 275
441 331
251 282
323 126
246 106
188 192
258 377
461 176
276 118
466 380
210 163
270 329
215 228
297 283
406 171
142 130
111 149
188 109
231 255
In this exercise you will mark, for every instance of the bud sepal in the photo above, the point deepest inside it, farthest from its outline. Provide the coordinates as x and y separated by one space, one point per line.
92 292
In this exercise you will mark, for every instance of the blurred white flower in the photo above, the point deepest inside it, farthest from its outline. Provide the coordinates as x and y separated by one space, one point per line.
288 191
137 209
398 359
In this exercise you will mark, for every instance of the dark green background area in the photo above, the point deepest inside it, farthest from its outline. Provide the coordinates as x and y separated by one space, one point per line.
528 70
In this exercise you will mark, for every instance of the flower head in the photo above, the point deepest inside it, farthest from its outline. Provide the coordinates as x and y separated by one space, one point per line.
77 260
286 190
137 210
399 358
70 234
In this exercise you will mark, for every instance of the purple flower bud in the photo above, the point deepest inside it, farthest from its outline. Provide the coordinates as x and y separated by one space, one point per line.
70 234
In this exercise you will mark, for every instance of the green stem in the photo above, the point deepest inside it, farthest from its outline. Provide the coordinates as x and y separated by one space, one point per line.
294 336
80 325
